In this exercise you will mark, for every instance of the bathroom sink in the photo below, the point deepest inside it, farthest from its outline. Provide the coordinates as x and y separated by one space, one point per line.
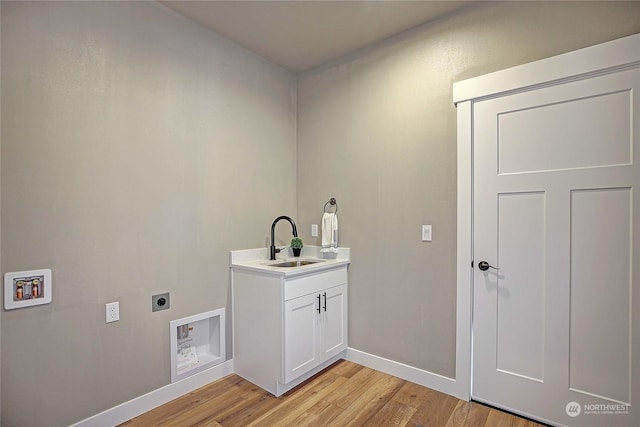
288 264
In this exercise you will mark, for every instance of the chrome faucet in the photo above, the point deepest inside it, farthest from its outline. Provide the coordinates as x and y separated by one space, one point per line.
272 249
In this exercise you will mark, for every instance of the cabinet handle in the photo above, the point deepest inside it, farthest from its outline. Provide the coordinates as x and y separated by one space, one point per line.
318 303
325 301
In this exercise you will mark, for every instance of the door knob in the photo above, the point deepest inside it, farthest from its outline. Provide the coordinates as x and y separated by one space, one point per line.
484 266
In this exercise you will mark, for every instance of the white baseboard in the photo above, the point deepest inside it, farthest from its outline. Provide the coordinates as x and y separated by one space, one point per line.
140 405
131 409
409 373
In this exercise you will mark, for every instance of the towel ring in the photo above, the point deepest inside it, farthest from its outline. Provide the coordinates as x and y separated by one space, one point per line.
331 202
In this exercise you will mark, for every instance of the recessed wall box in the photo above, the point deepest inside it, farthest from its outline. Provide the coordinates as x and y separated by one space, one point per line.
27 288
197 343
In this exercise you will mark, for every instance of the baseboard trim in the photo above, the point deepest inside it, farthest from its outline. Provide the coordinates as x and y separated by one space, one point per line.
409 373
139 405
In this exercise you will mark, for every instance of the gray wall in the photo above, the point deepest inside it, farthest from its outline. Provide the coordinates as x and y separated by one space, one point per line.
378 132
137 149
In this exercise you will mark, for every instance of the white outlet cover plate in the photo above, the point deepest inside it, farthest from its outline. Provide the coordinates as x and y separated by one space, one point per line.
112 312
426 233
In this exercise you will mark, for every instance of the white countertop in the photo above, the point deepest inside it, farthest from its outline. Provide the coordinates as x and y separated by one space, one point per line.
258 260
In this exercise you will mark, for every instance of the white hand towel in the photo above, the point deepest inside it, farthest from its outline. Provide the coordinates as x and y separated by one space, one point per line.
329 230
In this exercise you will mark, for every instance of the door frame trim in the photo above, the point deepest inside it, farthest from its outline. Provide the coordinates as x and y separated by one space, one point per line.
584 63
576 65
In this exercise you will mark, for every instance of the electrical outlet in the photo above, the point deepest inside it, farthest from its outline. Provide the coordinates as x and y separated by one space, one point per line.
160 302
426 233
112 312
314 230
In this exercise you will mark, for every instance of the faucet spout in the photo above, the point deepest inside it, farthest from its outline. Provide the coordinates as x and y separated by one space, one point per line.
272 249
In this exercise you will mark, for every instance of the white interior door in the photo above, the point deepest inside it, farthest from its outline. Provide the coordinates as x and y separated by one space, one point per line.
556 197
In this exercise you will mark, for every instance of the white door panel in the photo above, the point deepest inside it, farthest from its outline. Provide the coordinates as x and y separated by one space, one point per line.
334 321
520 292
556 172
600 322
301 335
588 139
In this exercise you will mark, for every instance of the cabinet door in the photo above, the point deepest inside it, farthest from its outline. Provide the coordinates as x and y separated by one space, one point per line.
334 321
301 335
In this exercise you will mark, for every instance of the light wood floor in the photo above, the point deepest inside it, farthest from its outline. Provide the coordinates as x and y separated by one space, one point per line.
344 394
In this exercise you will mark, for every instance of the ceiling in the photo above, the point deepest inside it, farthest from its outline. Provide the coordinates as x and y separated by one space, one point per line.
305 34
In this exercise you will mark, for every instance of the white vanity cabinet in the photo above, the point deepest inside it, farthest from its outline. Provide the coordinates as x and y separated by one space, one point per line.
315 329
288 327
